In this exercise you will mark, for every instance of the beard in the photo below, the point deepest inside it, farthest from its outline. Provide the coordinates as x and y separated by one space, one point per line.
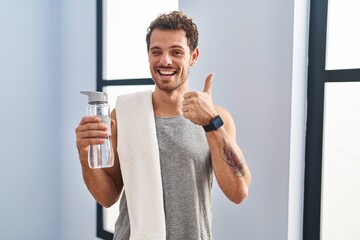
169 85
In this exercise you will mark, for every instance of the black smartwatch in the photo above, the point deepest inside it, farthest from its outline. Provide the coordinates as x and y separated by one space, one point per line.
214 124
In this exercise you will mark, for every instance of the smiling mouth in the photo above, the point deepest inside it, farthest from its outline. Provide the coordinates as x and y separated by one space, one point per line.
166 73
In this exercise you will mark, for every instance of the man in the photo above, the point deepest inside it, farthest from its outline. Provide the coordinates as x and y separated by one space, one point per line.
195 138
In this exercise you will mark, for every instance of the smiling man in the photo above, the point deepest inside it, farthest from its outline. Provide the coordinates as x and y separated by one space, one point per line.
194 139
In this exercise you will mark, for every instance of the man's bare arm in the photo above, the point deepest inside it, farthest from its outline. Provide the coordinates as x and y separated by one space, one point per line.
230 168
104 184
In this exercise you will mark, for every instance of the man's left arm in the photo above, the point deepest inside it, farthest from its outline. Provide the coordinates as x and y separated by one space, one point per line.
231 171
229 164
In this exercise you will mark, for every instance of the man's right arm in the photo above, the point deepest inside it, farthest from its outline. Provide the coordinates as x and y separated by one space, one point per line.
105 184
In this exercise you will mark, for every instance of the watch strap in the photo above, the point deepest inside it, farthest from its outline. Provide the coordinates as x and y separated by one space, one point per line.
214 124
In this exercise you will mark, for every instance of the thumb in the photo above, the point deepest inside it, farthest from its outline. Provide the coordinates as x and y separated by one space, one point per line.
208 83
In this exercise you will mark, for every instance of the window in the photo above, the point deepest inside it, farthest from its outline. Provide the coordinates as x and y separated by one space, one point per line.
343 38
122 63
331 205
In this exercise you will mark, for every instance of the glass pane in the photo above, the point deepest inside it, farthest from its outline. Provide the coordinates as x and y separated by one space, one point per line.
125 27
110 216
343 35
340 204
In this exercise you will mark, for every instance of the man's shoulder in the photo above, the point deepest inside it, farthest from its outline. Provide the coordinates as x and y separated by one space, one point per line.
223 112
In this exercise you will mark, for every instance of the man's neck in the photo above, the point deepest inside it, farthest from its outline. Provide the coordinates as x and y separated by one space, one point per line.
167 104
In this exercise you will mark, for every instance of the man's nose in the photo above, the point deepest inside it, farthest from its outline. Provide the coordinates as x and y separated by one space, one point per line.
165 60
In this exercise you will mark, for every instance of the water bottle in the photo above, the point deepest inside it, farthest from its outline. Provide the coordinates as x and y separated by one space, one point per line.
100 156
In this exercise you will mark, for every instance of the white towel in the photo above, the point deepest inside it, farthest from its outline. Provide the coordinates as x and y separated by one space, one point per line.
140 166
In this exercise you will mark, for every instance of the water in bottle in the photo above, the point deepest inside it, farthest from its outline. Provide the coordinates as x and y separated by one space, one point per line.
100 156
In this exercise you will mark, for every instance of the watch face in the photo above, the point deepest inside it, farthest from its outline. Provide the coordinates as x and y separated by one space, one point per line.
217 122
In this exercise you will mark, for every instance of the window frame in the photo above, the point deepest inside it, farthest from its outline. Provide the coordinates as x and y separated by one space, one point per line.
318 76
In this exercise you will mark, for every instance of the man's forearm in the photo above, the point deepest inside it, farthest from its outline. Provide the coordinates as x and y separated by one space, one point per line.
229 165
231 157
101 185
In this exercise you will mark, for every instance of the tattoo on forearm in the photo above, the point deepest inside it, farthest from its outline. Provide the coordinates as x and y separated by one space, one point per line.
233 160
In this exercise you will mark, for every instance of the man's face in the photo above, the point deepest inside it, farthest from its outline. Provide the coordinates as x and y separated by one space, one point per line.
170 58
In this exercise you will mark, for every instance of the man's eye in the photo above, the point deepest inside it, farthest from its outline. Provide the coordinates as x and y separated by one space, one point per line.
156 53
177 53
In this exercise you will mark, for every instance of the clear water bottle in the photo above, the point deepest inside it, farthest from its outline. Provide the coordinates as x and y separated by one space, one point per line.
100 156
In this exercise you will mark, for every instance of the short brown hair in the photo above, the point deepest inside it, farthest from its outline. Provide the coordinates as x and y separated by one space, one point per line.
175 20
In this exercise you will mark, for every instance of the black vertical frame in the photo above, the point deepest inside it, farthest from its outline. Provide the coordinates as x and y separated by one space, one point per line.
317 77
99 44
314 125
100 231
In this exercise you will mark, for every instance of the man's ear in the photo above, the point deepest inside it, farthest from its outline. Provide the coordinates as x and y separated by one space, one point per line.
194 56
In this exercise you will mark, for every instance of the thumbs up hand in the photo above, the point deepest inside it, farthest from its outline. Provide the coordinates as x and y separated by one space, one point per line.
198 106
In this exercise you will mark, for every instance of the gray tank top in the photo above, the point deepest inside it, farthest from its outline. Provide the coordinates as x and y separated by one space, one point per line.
187 180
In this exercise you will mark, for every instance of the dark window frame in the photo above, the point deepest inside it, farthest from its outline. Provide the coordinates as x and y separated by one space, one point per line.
317 77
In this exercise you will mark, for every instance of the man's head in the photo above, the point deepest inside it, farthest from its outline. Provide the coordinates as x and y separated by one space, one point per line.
175 21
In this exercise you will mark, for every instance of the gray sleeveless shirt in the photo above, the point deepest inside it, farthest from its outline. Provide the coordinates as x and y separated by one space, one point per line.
187 180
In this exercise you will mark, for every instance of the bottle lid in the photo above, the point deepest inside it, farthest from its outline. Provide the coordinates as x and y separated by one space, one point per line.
96 96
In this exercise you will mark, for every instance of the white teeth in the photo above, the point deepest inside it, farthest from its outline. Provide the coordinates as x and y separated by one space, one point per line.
166 72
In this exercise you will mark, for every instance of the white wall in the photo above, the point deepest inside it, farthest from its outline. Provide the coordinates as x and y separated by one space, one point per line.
48 56
30 154
78 18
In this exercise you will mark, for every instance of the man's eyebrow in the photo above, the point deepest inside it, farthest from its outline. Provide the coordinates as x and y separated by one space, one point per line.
171 47
155 48
177 46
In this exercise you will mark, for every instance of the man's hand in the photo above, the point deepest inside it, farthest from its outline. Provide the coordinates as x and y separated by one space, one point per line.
90 131
198 106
